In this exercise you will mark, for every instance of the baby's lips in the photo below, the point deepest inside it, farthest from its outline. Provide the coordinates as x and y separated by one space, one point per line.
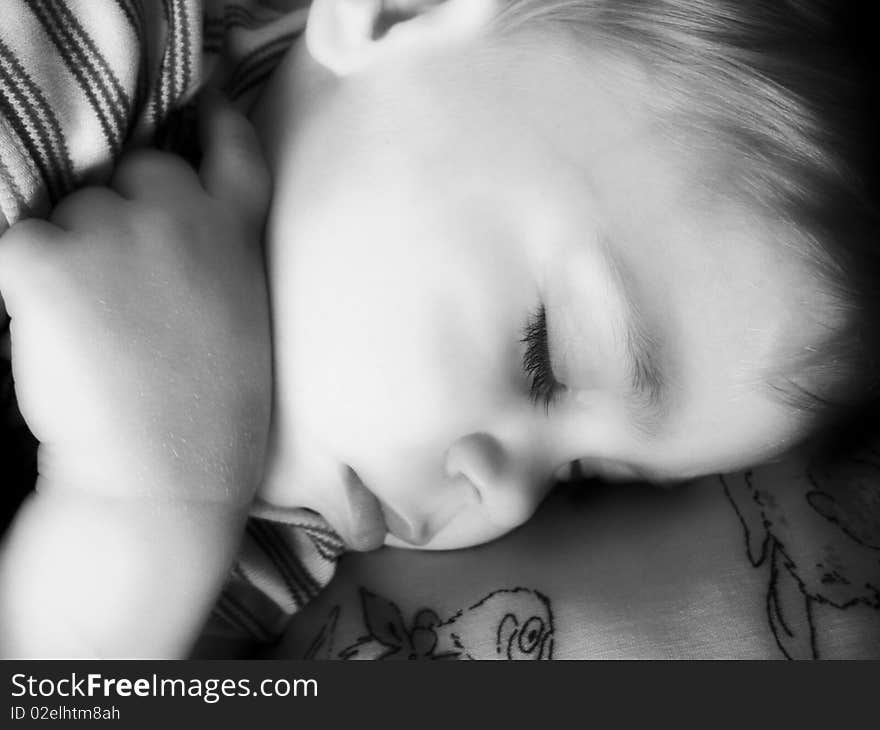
402 529
363 526
425 529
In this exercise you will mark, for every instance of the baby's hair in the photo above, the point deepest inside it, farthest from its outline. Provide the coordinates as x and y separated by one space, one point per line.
775 96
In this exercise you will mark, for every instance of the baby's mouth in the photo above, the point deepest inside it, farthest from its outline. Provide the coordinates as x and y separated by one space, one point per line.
369 521
363 526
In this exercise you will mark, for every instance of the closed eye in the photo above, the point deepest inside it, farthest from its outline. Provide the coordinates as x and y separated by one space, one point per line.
537 365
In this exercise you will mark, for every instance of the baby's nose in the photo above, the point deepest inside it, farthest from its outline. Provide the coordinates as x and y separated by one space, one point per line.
508 484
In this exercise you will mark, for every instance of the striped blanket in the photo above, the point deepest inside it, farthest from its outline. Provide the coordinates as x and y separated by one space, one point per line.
82 80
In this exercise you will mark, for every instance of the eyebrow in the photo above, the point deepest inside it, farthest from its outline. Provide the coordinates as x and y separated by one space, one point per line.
648 382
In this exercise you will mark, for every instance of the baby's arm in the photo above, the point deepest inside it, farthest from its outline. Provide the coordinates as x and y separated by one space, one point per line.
140 345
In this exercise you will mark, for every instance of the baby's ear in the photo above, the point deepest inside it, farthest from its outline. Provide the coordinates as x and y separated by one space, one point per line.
347 36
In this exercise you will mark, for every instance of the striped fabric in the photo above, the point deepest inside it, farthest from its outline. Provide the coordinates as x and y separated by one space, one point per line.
82 80
286 558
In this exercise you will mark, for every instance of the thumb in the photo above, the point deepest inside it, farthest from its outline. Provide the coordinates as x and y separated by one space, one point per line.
233 169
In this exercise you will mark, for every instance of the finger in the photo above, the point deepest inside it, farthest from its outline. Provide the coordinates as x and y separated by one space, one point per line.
84 209
147 174
233 168
27 254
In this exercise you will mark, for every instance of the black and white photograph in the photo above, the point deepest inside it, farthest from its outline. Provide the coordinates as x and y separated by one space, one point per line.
438 330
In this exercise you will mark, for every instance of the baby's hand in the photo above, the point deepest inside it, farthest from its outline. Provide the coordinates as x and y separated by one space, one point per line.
140 326
140 347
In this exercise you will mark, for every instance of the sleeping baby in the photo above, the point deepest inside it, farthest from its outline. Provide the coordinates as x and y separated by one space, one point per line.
504 236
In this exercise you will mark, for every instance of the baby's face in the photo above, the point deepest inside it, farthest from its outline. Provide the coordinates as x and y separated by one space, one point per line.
487 265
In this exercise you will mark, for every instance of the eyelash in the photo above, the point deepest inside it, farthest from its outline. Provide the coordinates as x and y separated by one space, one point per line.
543 385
